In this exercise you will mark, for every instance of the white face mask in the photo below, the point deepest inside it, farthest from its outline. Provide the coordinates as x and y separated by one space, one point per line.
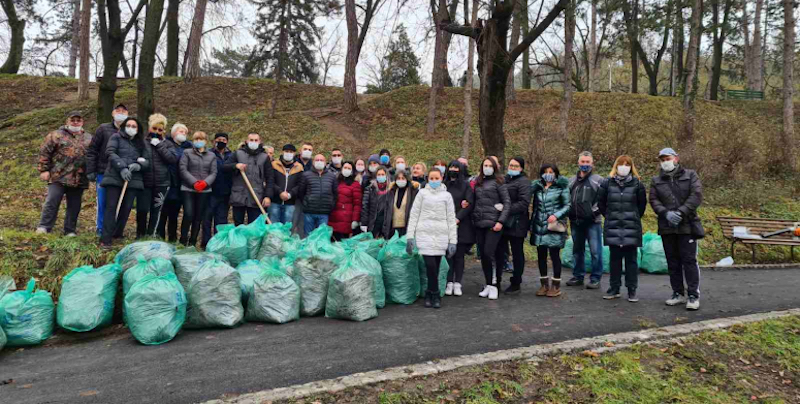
623 171
488 171
306 154
319 165
401 166
118 118
360 168
347 172
401 183
668 166
180 138
252 145
154 141
372 169
288 156
336 160
131 131
74 129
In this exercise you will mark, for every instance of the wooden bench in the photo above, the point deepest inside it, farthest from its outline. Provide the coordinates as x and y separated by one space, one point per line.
758 226
744 95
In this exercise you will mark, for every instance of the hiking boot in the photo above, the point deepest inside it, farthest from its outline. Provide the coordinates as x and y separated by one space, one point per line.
428 299
632 295
693 303
545 286
575 281
612 294
448 290
593 285
555 288
512 290
456 289
485 291
493 292
676 299
437 300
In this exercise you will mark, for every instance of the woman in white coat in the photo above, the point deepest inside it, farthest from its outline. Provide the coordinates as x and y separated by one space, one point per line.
433 231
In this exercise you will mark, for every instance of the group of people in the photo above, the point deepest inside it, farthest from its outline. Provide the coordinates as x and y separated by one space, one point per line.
443 211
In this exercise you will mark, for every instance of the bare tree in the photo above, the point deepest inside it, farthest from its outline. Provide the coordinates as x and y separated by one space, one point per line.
192 60
788 85
173 38
651 68
511 95
75 40
147 59
356 33
590 70
330 57
569 39
86 20
690 81
439 60
720 31
282 47
17 26
752 48
470 77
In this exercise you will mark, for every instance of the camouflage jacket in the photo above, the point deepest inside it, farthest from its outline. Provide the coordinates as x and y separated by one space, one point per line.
63 154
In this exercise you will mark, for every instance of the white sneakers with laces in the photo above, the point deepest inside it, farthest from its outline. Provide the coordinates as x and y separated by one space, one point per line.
448 290
493 293
457 289
485 291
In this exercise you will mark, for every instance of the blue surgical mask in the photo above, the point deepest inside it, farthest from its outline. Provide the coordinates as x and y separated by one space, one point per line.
585 168
434 184
549 177
384 159
199 144
513 173
381 179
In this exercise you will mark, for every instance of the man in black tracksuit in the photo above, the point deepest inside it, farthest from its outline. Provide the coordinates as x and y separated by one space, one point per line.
675 195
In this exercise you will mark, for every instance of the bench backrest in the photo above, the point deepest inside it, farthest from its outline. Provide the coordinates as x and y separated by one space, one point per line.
756 226
744 95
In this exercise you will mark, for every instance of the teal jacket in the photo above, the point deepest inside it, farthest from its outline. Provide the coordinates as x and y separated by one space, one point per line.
552 201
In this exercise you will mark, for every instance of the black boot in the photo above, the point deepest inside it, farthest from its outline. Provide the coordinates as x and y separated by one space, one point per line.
437 300
428 299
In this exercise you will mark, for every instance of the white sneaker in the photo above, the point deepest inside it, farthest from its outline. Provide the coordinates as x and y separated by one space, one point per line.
448 290
485 291
676 299
693 303
41 230
493 293
457 289
71 235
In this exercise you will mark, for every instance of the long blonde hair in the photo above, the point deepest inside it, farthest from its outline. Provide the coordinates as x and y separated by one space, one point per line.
623 160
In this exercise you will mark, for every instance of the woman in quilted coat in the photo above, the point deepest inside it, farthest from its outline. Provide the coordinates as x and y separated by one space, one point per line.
548 224
346 214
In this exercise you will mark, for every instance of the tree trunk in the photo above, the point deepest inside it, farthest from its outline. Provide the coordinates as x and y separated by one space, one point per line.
85 24
17 26
134 50
283 40
195 38
511 94
566 98
470 77
75 39
590 71
787 141
633 37
447 81
690 81
439 61
147 58
173 38
680 40
716 43
526 56
351 59
754 81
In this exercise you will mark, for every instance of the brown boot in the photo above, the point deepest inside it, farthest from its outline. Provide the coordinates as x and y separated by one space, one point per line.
545 280
555 288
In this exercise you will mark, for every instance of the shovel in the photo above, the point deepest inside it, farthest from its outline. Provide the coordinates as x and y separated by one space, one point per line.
255 197
121 198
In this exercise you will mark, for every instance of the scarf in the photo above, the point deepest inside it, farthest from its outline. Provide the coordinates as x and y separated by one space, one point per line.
401 192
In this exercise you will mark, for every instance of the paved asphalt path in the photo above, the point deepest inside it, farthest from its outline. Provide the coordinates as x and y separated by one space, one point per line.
111 367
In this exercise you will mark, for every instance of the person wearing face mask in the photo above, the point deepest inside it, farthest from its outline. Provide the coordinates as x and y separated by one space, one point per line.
492 208
62 164
402 193
418 172
373 163
151 200
198 169
346 214
518 222
252 160
337 158
399 165
585 222
464 200
97 160
306 156
433 231
286 172
551 204
128 158
220 201
177 143
376 206
385 157
675 195
360 169
270 152
318 190
440 165
623 201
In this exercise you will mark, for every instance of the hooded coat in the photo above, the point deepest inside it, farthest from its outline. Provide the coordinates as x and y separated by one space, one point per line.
623 203
519 192
551 201
348 206
122 151
460 189
432 223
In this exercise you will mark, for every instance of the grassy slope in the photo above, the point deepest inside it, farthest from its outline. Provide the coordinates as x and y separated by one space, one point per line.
639 124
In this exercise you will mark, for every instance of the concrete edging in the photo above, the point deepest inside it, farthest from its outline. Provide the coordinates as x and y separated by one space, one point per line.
620 340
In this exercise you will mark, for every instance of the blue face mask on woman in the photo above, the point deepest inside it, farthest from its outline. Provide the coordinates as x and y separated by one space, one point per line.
384 159
199 144
549 177
381 178
434 184
513 173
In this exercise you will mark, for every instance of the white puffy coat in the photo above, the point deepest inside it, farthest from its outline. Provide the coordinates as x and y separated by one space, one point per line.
432 222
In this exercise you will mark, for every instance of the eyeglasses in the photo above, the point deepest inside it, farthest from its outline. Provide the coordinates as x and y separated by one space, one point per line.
161 130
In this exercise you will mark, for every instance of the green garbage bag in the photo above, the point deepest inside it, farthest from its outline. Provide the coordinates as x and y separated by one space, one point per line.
7 285
274 298
188 261
444 268
654 260
351 292
400 272
129 256
156 308
568 259
230 242
254 232
248 272
3 338
27 317
87 297
215 297
312 268
158 266
276 238
365 261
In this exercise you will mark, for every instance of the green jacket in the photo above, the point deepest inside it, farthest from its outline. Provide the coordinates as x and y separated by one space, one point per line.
546 202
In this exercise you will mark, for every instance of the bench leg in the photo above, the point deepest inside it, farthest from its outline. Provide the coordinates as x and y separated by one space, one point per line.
733 250
753 247
792 249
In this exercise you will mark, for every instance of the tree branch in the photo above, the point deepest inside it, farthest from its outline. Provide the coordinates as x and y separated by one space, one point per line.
538 30
219 27
134 17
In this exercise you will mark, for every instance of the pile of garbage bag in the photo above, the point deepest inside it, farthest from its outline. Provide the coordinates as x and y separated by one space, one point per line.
254 232
87 297
189 260
400 272
231 242
129 255
248 273
312 268
568 258
3 339
27 316
274 297
277 237
351 292
155 308
214 297
654 260
158 266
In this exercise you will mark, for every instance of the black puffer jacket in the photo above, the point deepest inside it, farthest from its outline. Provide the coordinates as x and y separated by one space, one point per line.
163 158
682 192
583 198
487 195
460 190
258 173
96 157
519 192
623 203
373 202
122 151
318 191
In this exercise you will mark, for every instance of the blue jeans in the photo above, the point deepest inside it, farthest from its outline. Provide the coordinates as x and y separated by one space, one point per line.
101 203
312 221
594 233
281 213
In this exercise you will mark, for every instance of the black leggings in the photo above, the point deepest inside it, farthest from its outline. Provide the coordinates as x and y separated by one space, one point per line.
432 263
554 256
113 225
194 210
518 255
488 241
456 263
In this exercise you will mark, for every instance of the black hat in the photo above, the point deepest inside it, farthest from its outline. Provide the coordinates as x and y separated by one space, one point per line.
289 147
121 105
384 151
221 134
521 161
74 113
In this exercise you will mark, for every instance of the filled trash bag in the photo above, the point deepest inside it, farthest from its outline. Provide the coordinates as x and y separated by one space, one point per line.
7 285
158 266
248 272
364 242
188 261
230 242
254 232
312 268
156 308
129 256
400 272
276 238
568 258
3 339
87 297
215 297
444 268
654 260
351 292
275 298
361 259
26 316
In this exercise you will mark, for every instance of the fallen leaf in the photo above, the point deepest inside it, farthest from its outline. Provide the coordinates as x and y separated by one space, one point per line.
210 337
27 386
745 361
710 343
787 382
516 328
664 349
780 373
589 353
89 393
578 367
680 344
703 370
758 365
609 344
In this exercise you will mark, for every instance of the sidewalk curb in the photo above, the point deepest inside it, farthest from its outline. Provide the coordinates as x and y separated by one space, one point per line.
620 341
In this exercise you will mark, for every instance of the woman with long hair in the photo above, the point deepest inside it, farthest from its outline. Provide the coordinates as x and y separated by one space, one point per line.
346 214
492 207
402 193
198 171
548 228
375 210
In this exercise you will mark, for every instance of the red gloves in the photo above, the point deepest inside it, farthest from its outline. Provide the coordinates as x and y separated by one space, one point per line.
199 186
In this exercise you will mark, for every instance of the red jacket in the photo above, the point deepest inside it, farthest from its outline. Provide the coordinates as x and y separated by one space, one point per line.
347 209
